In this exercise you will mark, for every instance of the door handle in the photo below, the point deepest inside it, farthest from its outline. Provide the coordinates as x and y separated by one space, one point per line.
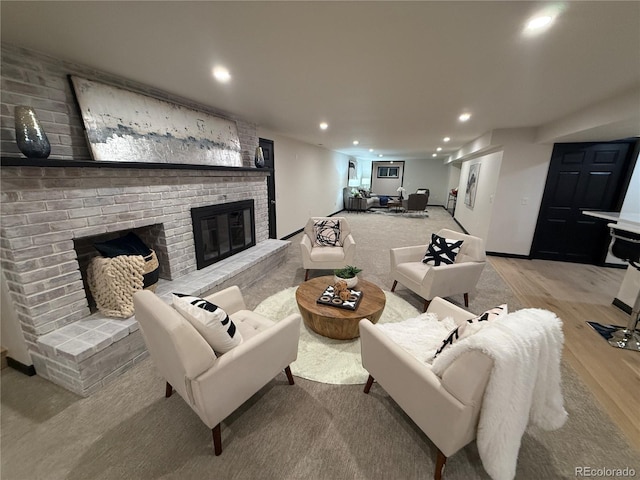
273 202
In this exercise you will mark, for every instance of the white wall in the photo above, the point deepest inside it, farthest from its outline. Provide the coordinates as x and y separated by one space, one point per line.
423 173
508 211
387 186
518 195
11 336
511 183
477 220
453 179
431 174
610 119
309 181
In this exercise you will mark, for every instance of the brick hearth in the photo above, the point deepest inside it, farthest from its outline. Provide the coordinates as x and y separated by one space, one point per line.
45 208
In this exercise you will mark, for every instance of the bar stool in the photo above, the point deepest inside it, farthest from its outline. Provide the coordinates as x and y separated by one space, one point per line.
626 246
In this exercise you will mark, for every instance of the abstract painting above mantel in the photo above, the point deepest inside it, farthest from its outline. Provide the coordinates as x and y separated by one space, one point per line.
125 126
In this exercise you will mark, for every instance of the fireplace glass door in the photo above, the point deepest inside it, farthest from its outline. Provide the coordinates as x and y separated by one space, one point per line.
222 230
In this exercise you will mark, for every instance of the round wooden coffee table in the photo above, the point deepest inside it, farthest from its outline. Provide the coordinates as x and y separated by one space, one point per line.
334 322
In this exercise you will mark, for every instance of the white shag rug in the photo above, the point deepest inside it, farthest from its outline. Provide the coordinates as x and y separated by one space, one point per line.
324 359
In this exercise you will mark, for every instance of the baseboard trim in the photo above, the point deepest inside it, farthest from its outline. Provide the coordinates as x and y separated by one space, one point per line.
287 237
621 305
464 230
28 370
509 255
616 265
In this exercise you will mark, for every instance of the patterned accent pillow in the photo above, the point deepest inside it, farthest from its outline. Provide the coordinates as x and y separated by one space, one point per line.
210 321
327 233
441 251
471 326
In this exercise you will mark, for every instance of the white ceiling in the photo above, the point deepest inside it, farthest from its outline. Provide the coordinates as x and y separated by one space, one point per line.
394 75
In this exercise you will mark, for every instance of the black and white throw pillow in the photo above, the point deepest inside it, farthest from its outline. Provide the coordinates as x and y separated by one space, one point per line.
327 233
471 326
211 321
441 251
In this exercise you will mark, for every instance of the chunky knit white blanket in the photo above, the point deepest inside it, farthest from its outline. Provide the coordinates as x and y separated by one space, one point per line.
113 281
524 386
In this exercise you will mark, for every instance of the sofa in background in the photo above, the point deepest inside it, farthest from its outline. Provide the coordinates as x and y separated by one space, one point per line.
362 203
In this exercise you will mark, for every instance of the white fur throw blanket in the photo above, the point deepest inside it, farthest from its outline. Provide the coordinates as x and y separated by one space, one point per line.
524 386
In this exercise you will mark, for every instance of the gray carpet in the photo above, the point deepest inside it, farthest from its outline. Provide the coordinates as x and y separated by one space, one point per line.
306 431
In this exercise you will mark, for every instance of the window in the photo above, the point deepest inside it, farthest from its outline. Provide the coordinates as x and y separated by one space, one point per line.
387 172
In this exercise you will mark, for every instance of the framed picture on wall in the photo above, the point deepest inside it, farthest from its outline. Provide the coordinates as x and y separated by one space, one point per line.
353 170
472 185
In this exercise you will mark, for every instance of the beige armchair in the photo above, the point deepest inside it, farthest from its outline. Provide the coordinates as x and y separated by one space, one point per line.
326 257
430 281
445 408
216 386
488 386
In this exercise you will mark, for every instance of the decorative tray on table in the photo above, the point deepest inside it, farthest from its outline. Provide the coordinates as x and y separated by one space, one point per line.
331 298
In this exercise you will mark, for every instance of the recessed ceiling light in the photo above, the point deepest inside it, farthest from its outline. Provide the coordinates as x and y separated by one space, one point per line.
356 142
537 24
371 150
380 155
439 149
464 117
446 139
434 155
221 74
324 126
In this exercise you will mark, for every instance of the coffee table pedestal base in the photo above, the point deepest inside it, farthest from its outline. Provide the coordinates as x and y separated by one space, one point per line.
336 328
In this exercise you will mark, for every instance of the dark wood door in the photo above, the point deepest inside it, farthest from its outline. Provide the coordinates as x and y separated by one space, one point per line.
582 176
267 150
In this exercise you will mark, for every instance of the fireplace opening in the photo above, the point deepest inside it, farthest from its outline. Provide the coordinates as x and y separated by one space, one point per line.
151 235
220 231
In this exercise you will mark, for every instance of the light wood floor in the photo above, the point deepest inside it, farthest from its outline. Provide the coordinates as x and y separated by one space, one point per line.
577 293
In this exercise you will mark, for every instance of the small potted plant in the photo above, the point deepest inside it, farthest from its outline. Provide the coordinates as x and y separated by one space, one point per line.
349 274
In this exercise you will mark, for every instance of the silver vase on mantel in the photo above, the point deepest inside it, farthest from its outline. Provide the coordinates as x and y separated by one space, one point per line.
31 139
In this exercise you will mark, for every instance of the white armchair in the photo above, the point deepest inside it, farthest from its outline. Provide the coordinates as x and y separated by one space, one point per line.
216 386
430 281
487 386
315 257
445 408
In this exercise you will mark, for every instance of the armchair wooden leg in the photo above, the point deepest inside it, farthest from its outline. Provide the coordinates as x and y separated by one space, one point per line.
306 275
168 390
287 370
440 461
466 300
217 440
367 387
426 305
395 282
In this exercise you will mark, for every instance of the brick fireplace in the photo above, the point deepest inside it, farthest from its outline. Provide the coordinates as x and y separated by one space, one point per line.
48 211
53 210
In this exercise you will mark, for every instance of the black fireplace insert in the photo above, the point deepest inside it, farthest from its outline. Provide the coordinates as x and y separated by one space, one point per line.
222 230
